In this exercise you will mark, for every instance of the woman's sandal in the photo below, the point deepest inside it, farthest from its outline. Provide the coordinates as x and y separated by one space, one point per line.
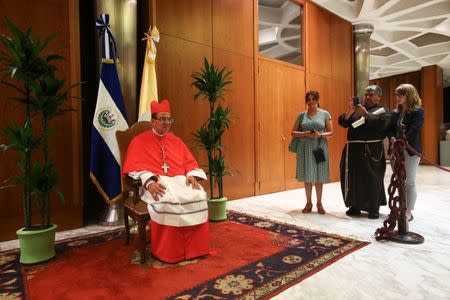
320 209
307 208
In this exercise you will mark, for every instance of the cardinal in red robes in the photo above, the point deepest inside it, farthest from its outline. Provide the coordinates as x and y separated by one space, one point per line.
176 201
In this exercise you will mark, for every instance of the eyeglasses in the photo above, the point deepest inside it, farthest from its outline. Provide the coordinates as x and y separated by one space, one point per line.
311 99
165 119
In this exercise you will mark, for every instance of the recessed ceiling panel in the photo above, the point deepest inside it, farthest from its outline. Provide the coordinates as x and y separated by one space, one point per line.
267 46
374 44
295 21
408 64
379 3
435 59
383 52
295 43
396 36
403 5
425 24
438 9
289 32
374 69
397 58
429 39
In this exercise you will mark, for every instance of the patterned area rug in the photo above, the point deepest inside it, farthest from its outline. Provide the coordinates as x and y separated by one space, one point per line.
253 258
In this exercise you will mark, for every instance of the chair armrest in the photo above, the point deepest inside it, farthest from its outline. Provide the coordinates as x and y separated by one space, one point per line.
135 184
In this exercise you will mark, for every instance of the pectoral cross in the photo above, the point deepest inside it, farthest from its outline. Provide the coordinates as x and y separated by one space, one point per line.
165 167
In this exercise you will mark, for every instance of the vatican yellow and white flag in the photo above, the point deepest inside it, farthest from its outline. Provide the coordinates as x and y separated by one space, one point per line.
149 87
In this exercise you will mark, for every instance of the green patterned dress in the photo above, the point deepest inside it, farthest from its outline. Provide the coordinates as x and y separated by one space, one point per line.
307 168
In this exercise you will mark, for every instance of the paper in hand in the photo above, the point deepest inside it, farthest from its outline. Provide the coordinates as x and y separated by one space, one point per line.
362 120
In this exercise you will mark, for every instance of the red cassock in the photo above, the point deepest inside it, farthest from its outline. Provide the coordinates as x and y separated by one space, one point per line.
169 243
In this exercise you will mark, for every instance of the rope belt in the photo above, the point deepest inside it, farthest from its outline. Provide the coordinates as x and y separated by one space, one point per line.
346 160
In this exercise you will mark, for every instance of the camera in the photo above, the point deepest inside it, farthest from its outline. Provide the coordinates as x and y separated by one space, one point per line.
356 101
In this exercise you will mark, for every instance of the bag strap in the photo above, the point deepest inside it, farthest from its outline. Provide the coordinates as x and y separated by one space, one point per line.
301 117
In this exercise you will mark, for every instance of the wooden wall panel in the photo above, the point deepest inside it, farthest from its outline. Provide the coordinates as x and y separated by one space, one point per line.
189 20
330 71
292 96
341 49
76 117
281 89
334 99
233 31
389 84
336 104
239 140
177 59
433 106
186 37
318 44
271 129
385 85
67 129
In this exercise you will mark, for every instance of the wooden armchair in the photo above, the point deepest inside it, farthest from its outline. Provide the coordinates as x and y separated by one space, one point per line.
134 207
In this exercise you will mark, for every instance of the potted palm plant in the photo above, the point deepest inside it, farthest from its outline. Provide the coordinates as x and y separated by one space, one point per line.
32 75
211 84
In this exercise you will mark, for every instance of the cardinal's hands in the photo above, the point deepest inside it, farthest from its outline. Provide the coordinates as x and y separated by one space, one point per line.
157 190
191 181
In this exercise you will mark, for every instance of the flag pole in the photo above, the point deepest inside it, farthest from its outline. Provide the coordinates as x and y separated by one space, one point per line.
109 117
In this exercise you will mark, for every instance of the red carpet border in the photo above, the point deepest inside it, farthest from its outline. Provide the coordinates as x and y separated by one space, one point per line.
266 257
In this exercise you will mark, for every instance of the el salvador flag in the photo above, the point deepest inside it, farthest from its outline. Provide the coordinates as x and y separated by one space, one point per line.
109 117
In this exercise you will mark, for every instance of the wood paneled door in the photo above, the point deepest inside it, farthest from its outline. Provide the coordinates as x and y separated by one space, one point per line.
281 90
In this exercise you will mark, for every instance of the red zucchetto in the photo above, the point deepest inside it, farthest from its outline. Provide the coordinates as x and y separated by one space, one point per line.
162 106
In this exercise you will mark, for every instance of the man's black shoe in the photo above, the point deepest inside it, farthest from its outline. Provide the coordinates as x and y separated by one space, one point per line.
373 215
353 212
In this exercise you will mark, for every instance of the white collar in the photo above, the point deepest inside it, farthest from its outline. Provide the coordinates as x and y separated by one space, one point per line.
157 133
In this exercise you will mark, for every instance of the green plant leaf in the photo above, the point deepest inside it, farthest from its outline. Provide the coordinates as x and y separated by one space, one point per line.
26 68
210 83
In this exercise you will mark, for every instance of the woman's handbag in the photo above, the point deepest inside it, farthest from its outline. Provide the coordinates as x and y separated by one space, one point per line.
319 155
294 141
293 145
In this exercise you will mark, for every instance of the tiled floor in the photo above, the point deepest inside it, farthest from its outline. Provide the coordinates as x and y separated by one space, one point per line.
381 270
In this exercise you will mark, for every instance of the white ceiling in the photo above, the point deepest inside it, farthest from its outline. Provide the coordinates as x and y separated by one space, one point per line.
408 34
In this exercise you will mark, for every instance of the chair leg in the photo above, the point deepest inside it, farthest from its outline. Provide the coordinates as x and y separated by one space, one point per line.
127 226
141 247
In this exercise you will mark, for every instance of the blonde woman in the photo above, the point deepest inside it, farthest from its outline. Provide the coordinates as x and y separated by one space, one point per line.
409 112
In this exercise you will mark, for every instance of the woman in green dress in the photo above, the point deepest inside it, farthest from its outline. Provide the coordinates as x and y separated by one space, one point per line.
311 130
